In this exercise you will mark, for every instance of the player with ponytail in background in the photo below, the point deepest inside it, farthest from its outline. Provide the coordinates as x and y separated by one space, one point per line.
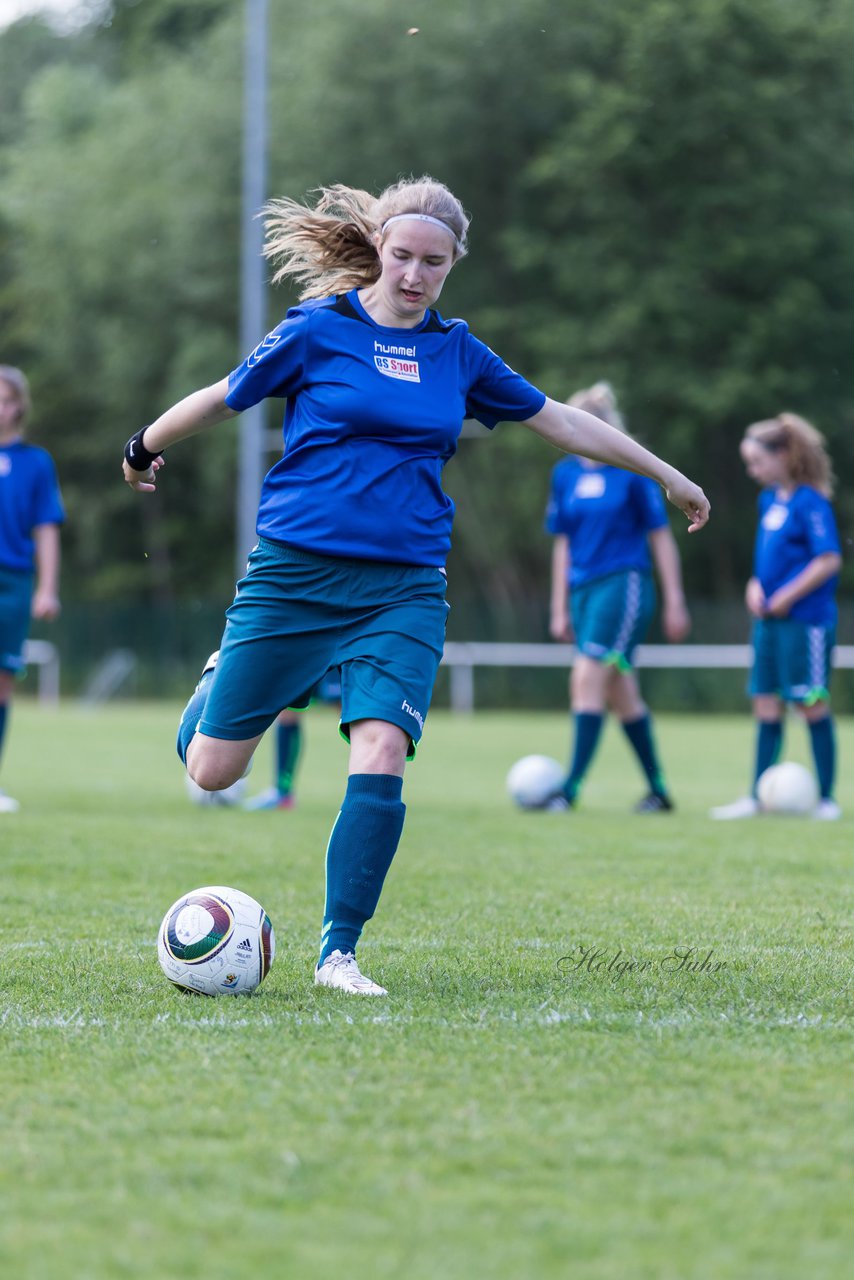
31 513
791 597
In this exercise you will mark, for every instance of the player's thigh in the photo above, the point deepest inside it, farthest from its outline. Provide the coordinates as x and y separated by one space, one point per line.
391 649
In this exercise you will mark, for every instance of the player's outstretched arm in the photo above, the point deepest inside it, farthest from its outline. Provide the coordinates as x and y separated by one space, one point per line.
575 431
202 409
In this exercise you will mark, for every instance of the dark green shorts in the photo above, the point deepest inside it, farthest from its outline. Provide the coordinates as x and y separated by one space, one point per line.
297 615
611 615
16 590
791 659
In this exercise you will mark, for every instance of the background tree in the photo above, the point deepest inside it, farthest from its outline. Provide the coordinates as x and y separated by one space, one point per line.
660 196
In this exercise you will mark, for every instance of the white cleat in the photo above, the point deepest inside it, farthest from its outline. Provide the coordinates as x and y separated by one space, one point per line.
341 972
746 807
827 811
7 804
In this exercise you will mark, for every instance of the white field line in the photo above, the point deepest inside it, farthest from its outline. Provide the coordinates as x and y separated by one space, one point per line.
485 1019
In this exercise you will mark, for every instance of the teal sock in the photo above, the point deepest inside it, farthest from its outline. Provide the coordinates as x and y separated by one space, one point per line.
588 727
192 714
361 848
769 740
288 750
639 734
823 739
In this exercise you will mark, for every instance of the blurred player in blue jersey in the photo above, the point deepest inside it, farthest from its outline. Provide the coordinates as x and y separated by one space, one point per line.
30 515
288 748
609 526
353 524
792 598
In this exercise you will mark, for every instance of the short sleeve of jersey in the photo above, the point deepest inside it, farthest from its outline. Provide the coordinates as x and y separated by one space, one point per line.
650 503
819 523
556 489
276 367
496 392
47 505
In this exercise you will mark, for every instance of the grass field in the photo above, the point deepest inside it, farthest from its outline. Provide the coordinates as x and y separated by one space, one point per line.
522 1105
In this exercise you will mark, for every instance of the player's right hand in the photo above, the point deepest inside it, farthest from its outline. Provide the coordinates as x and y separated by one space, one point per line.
142 481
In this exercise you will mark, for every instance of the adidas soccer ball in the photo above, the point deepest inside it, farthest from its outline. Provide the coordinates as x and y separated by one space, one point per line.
216 941
533 780
787 788
228 798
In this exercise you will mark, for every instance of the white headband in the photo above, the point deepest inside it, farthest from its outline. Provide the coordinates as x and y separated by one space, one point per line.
420 217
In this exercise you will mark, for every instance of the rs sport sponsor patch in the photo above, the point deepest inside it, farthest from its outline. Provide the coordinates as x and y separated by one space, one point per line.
395 367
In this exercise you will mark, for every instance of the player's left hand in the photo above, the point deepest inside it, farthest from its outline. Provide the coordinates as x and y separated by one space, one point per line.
45 606
143 481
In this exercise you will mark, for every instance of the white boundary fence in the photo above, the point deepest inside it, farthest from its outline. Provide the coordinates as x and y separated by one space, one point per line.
45 656
461 658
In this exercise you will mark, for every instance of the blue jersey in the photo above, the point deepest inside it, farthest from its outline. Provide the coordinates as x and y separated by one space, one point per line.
29 496
606 513
792 532
372 416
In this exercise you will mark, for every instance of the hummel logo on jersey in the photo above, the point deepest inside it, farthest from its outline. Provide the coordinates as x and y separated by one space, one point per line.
266 344
392 361
245 945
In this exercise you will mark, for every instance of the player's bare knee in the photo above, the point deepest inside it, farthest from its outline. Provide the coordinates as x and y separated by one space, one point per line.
210 770
377 747
212 776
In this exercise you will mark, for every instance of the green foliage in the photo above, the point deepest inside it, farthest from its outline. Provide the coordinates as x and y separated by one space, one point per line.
508 1111
661 196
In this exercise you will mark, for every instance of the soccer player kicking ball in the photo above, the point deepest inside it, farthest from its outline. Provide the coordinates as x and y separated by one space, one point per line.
353 525
792 597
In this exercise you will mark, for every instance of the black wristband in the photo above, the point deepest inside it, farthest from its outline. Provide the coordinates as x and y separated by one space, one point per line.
137 456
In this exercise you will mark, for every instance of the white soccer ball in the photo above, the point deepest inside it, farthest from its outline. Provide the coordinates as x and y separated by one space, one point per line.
228 798
216 941
787 788
535 779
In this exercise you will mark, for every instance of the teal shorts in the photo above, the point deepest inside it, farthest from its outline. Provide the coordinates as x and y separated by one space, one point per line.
297 615
611 616
16 591
791 659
